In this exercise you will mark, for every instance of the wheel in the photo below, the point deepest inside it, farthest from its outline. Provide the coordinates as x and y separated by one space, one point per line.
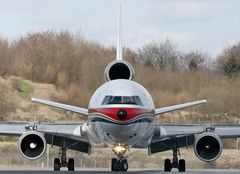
57 164
181 165
167 165
114 164
124 165
70 164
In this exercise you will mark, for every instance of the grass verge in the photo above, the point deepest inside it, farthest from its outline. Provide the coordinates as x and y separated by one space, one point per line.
25 89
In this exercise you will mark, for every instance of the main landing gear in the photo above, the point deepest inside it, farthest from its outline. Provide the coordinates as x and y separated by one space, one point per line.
62 162
168 165
120 163
175 163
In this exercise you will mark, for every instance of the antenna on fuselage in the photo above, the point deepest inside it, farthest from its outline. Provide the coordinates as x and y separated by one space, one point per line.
119 42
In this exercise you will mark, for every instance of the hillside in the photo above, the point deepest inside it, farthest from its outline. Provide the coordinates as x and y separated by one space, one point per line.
15 102
16 93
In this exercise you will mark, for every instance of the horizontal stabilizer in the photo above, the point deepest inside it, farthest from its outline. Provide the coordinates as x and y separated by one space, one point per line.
75 109
177 107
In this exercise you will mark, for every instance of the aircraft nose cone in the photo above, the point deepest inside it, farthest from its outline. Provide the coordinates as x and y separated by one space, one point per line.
122 114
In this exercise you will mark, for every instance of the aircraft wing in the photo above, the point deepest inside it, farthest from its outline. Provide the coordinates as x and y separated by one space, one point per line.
75 109
12 128
222 130
177 107
185 134
55 134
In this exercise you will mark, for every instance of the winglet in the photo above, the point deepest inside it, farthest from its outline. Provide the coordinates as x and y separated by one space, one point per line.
119 42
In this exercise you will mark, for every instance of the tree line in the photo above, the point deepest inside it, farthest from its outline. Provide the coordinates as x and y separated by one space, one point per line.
49 56
75 64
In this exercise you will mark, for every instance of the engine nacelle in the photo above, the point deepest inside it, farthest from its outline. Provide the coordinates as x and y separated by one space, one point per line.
208 147
32 145
119 69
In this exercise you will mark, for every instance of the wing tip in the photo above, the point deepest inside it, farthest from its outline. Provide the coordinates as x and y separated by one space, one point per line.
204 101
35 99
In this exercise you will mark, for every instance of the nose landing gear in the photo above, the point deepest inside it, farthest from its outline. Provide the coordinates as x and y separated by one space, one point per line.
120 163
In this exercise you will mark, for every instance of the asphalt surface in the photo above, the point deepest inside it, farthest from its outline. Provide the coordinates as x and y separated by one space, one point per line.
88 171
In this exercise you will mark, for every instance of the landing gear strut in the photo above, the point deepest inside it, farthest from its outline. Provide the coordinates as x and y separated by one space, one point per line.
62 162
175 163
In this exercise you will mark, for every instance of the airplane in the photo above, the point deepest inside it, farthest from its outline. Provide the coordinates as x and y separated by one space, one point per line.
121 115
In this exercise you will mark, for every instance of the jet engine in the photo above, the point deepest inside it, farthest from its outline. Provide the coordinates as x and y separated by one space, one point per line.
32 145
119 69
208 147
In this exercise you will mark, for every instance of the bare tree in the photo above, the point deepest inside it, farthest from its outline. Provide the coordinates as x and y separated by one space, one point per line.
195 60
164 55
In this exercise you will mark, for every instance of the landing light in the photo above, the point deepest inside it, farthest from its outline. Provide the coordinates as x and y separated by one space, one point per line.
33 145
119 149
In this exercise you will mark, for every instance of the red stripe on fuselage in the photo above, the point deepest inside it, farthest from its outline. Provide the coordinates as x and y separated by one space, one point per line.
131 112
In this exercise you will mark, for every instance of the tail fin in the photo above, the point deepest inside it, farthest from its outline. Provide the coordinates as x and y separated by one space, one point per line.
119 43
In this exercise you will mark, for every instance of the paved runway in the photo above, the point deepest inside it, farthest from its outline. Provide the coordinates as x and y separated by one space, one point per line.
144 171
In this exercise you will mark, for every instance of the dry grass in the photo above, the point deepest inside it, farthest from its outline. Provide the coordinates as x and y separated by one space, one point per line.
169 87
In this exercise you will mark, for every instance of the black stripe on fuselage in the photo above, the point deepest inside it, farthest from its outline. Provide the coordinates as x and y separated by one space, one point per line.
141 120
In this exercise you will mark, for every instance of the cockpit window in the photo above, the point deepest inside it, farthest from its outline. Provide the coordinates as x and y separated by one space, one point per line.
137 100
107 99
131 100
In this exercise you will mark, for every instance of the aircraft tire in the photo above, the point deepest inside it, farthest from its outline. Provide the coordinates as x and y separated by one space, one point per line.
124 165
70 164
181 165
57 164
167 165
114 164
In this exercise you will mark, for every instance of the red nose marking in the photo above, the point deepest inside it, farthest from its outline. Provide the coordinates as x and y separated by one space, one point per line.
112 112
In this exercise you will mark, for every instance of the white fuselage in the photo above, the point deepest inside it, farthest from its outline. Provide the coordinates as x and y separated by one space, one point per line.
121 112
